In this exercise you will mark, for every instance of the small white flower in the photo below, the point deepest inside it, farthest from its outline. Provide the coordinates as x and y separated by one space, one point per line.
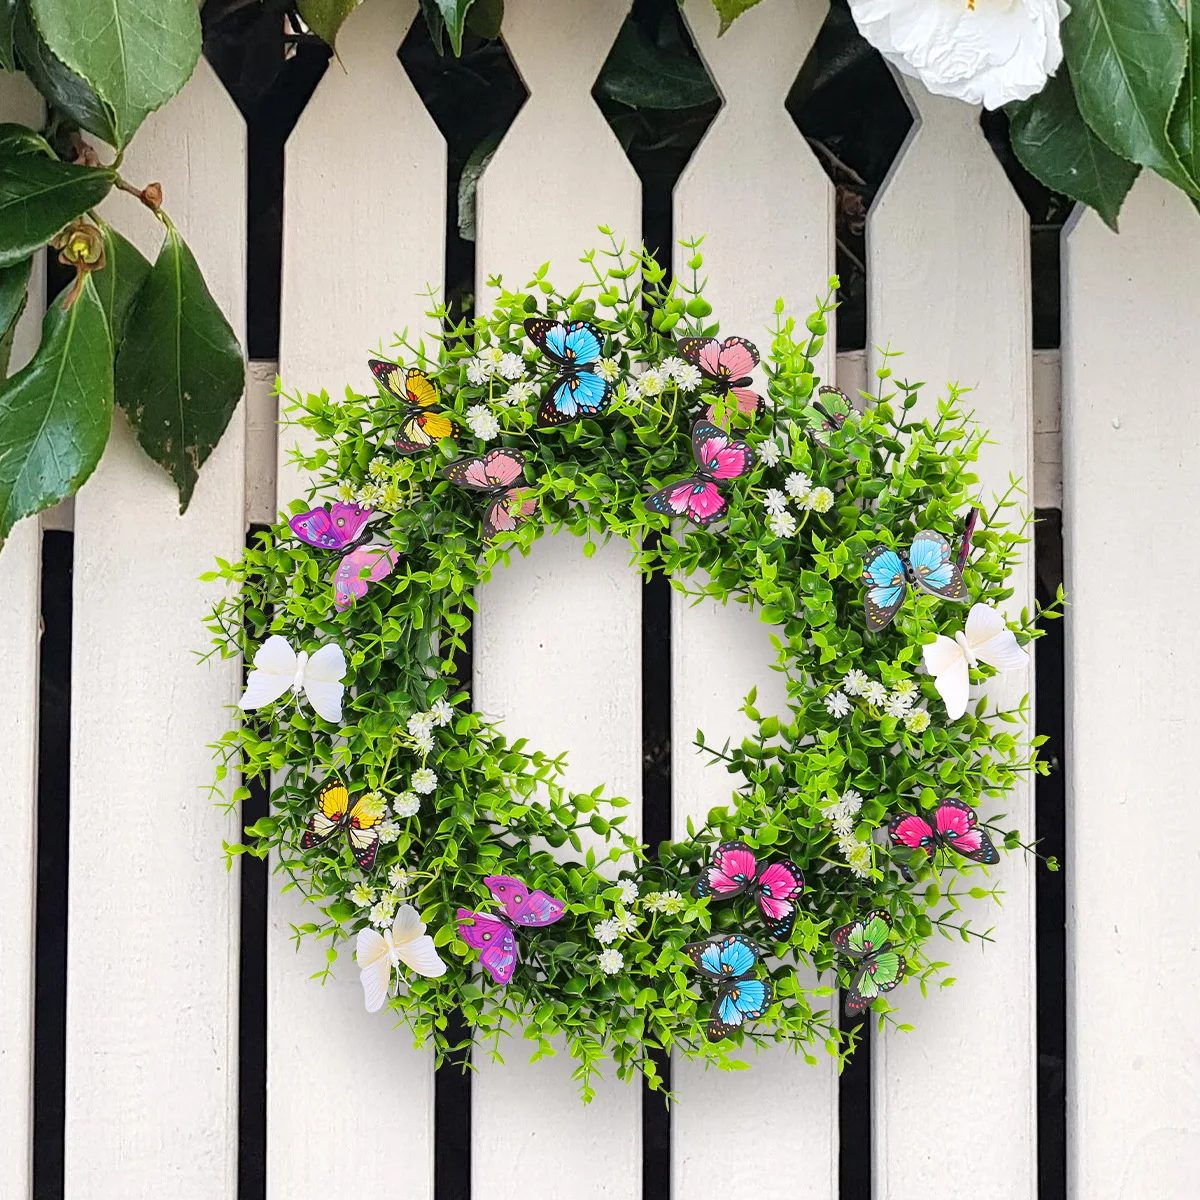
520 392
874 692
852 801
768 452
633 391
917 722
491 356
420 723
610 961
389 831
908 690
774 501
372 804
859 860
382 913
626 922
369 495
651 382
511 366
608 369
848 844
362 895
896 705
837 705
379 468
607 931
664 902
781 524
399 877
629 891
482 422
843 826
345 491
442 712
391 498
423 743
687 377
671 366
424 781
797 485
819 500
477 374
854 682
407 804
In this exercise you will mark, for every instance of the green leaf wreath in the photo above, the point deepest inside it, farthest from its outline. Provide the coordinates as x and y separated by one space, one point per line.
455 799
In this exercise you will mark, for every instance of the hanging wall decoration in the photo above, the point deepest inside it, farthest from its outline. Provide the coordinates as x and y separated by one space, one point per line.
447 861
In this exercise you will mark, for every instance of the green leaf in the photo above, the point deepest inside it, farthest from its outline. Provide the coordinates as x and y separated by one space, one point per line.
454 15
14 282
38 196
1184 125
8 14
1054 144
61 87
135 55
730 10
8 336
1126 59
326 17
437 27
20 139
485 18
642 74
55 413
179 373
120 281
468 184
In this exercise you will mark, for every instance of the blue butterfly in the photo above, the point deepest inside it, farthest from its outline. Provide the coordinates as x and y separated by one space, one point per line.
730 960
574 347
929 565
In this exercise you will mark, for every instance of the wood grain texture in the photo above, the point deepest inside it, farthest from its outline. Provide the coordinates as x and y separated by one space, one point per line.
557 640
1131 463
727 1125
151 1105
20 602
363 233
948 284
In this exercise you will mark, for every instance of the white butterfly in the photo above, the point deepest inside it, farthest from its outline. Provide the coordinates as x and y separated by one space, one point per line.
406 942
278 667
986 639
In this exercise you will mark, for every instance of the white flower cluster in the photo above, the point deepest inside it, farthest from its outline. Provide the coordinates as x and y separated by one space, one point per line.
840 815
668 903
797 488
619 925
423 781
382 491
897 703
656 380
521 392
610 961
491 363
422 724
399 878
769 452
482 422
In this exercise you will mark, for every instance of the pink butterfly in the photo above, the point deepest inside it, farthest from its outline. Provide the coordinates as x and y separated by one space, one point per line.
718 457
494 474
494 934
336 528
952 825
349 582
727 366
775 887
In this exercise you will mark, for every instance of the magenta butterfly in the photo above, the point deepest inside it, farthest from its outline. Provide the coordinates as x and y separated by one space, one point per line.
338 528
727 366
964 550
952 825
734 871
494 935
494 474
718 457
349 582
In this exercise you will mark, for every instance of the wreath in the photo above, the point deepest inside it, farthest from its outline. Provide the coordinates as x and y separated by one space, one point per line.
452 859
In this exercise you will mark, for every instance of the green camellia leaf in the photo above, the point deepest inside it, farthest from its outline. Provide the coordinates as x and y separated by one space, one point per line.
134 55
120 281
640 74
14 292
1054 144
56 412
38 196
8 13
179 372
1126 58
326 17
730 10
1184 126
485 18
454 15
20 139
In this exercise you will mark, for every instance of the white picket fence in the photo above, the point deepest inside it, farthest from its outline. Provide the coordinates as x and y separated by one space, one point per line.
151 1085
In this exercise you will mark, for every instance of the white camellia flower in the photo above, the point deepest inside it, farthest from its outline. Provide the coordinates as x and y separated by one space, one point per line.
982 51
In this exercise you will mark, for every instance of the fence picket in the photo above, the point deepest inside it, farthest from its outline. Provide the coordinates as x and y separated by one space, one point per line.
751 258
1131 488
151 1104
363 232
20 601
557 644
948 284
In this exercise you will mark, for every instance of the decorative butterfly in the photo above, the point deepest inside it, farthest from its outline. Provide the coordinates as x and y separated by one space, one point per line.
952 825
949 660
718 457
574 347
494 935
493 475
879 965
422 423
964 549
335 814
406 943
734 871
277 667
731 960
349 582
727 366
928 565
341 527
827 413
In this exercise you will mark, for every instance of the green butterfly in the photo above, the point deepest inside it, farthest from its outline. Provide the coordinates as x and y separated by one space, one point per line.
827 413
880 966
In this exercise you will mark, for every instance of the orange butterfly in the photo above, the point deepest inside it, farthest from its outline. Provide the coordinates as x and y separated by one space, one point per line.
334 813
421 423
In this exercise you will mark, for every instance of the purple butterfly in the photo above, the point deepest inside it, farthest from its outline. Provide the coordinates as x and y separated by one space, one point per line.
337 528
494 934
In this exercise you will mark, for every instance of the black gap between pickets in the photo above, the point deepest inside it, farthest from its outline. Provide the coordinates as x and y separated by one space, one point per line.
254 879
1050 801
854 1114
53 838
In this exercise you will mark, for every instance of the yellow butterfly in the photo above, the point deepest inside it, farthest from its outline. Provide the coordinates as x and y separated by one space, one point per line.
334 813
421 424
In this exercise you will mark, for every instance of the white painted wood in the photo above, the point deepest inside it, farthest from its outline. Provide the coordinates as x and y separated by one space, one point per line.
726 1126
1131 451
151 1103
557 641
20 602
948 284
1047 429
364 220
262 437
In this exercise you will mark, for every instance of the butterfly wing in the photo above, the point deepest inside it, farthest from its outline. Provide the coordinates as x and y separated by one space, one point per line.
363 836
274 672
945 661
493 939
718 454
576 394
913 831
414 947
730 957
333 528
525 907
958 828
776 890
860 938
420 430
878 974
736 358
933 569
390 378
374 968
550 337
332 803
699 500
746 400
349 582
322 681
730 872
506 512
964 547
827 414
883 569
992 641
737 1003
